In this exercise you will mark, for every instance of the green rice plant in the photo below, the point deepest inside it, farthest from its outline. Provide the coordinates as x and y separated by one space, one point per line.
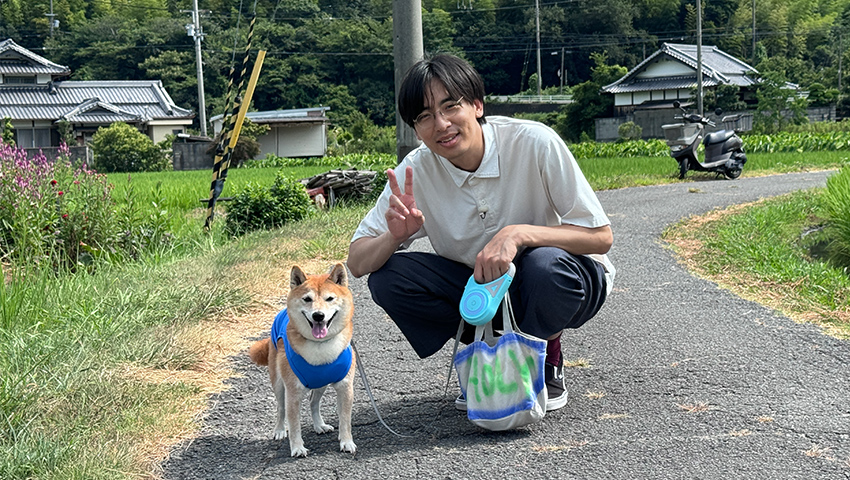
837 205
359 161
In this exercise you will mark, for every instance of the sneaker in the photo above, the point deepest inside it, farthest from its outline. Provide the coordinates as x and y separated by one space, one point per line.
555 387
460 403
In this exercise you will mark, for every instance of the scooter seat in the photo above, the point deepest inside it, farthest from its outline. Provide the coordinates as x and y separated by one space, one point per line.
718 137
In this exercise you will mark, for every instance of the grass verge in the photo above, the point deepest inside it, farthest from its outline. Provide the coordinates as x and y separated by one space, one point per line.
101 374
770 252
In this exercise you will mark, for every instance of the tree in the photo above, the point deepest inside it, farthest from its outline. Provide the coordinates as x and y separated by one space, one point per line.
778 104
588 103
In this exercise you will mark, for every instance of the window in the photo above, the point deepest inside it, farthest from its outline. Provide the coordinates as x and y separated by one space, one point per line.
32 137
19 80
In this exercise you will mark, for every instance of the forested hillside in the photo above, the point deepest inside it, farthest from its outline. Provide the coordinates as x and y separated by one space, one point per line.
339 52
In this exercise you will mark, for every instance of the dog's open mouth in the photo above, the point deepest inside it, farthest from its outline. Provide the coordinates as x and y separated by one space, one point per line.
320 327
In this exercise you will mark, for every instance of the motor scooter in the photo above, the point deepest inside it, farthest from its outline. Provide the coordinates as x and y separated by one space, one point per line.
724 149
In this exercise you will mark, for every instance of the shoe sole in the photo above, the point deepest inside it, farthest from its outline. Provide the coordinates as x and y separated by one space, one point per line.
556 403
460 405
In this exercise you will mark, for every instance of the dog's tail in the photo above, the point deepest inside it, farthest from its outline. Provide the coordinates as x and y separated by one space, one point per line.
259 352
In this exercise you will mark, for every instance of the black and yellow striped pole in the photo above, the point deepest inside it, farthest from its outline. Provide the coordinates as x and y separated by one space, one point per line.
230 132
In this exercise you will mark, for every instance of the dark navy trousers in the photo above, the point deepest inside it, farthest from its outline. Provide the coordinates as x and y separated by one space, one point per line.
551 291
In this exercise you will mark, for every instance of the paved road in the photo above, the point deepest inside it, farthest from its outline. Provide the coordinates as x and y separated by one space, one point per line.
772 396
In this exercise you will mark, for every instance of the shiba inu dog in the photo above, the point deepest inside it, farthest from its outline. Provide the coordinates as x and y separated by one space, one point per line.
309 349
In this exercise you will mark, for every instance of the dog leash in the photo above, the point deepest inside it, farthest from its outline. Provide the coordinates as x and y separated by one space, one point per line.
362 372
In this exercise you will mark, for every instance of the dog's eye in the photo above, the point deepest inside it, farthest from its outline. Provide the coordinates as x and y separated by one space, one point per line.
330 299
308 299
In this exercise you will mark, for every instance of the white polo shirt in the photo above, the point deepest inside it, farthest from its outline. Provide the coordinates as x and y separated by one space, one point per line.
527 176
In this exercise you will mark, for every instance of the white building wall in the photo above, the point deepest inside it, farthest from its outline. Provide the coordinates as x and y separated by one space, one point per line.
294 141
666 68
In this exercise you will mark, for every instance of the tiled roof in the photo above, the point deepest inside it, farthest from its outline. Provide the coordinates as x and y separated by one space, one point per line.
718 67
15 59
139 99
312 115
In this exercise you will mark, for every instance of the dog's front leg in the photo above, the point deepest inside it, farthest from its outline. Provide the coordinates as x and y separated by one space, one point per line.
319 424
280 427
344 403
295 392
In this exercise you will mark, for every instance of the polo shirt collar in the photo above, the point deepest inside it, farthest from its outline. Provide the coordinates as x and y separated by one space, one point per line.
489 167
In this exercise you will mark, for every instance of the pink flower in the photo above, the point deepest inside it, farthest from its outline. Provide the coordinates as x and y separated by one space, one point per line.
61 193
65 215
53 182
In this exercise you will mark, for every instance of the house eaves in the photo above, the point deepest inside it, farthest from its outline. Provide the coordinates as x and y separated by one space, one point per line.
15 59
143 99
92 111
718 68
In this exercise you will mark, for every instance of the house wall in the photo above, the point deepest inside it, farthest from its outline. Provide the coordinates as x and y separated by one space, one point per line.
159 132
666 68
294 141
636 98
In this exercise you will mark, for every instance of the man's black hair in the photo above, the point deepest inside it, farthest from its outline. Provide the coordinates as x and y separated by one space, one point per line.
458 76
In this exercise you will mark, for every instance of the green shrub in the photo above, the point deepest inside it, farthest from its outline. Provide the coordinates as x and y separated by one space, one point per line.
257 207
122 148
837 205
629 131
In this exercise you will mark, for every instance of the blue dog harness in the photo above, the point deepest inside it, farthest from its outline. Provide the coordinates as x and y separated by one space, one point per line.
311 376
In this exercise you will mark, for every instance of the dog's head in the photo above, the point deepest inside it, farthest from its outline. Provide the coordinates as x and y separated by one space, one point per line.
320 306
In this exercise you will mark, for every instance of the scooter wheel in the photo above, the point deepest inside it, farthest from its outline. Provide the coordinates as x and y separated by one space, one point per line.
683 168
733 173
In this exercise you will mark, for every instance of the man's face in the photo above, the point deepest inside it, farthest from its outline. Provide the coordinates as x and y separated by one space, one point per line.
449 127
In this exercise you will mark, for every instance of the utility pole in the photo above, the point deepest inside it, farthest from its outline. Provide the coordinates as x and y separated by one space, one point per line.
539 63
407 50
753 61
699 57
52 17
195 31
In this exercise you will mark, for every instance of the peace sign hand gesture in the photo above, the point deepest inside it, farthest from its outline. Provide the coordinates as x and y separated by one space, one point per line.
403 218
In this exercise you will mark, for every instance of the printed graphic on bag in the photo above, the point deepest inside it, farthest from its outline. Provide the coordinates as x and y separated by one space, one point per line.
503 379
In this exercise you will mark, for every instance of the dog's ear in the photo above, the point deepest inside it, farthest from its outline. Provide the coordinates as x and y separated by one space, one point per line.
297 277
338 275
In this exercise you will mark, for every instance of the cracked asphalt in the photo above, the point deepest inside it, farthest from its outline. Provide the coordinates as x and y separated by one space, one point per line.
683 380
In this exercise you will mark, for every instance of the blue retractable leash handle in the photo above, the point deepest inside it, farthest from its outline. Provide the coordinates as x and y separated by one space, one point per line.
480 301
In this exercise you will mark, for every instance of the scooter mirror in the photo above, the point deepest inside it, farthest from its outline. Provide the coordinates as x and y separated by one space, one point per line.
718 111
676 104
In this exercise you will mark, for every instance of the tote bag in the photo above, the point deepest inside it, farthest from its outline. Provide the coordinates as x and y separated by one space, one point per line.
502 377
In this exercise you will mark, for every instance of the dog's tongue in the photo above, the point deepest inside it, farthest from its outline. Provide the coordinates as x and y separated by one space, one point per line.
320 330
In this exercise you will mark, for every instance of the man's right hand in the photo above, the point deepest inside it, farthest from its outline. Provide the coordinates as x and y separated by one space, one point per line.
403 218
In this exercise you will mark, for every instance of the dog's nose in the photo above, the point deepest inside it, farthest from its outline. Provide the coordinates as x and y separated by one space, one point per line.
318 316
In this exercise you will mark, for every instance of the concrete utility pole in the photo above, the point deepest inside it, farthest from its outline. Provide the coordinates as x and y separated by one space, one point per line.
407 50
194 30
52 18
754 34
539 64
699 57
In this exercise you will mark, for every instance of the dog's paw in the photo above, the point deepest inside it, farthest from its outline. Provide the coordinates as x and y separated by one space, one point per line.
298 451
279 433
323 428
347 446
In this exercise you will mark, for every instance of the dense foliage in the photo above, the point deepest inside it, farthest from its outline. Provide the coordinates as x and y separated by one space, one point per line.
339 54
121 147
259 207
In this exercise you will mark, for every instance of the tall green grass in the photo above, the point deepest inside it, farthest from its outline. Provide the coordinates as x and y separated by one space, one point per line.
66 411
